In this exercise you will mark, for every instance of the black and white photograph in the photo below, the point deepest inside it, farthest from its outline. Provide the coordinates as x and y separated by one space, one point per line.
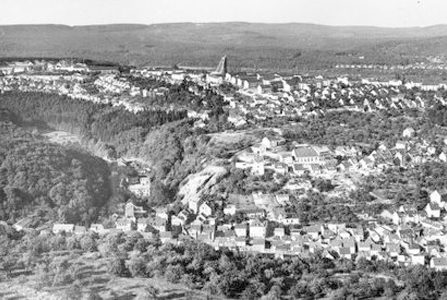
220 150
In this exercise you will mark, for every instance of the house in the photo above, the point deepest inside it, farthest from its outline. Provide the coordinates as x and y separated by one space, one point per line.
241 230
439 263
159 224
161 213
258 166
257 229
194 230
393 249
67 228
364 246
344 234
413 249
433 210
417 259
279 232
289 219
185 215
258 245
351 244
194 204
313 231
205 210
307 155
253 213
131 211
272 142
439 197
176 221
142 188
336 244
98 228
142 224
408 132
124 224
230 209
376 249
345 252
78 230
241 241
166 236
299 169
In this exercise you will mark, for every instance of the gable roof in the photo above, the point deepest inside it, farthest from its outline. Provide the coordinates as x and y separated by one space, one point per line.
305 152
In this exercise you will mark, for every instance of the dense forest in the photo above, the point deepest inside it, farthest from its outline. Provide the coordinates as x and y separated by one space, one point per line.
47 181
123 132
165 139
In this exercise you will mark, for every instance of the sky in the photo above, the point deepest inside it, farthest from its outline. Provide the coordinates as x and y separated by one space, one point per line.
384 13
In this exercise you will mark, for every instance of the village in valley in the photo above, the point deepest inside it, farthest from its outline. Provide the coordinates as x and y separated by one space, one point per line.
260 221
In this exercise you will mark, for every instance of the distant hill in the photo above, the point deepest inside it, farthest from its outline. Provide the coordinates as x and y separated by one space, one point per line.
250 45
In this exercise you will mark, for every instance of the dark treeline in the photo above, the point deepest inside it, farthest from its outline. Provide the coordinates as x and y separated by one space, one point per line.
96 121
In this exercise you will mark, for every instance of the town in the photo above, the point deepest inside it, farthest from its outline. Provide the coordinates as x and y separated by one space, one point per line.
261 222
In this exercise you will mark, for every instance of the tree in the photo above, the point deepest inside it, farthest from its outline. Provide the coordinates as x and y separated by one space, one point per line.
117 266
87 243
136 266
174 273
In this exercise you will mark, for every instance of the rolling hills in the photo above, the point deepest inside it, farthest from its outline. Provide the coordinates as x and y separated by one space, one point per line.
249 45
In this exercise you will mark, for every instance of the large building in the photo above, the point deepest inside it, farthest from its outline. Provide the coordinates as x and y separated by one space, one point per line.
307 155
141 187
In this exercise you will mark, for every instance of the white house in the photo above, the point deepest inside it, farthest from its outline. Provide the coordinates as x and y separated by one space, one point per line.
433 210
258 229
205 210
408 132
439 197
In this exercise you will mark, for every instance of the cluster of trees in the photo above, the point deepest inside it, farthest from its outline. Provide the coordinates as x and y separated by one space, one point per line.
98 121
237 275
317 208
47 180
241 181
349 128
437 114
180 95
405 186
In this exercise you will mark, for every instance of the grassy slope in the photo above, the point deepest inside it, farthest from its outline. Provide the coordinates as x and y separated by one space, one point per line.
94 276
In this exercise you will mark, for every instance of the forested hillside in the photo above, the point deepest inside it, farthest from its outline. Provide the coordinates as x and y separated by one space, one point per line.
47 181
164 139
250 45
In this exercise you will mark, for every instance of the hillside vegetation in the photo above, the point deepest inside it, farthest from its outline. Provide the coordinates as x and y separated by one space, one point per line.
48 181
250 45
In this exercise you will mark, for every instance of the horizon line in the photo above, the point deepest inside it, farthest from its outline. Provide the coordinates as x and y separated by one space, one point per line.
224 22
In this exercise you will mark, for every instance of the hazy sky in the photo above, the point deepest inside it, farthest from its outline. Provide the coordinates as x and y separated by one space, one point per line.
391 13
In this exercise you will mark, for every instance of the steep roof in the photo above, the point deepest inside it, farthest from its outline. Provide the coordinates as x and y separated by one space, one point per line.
305 152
